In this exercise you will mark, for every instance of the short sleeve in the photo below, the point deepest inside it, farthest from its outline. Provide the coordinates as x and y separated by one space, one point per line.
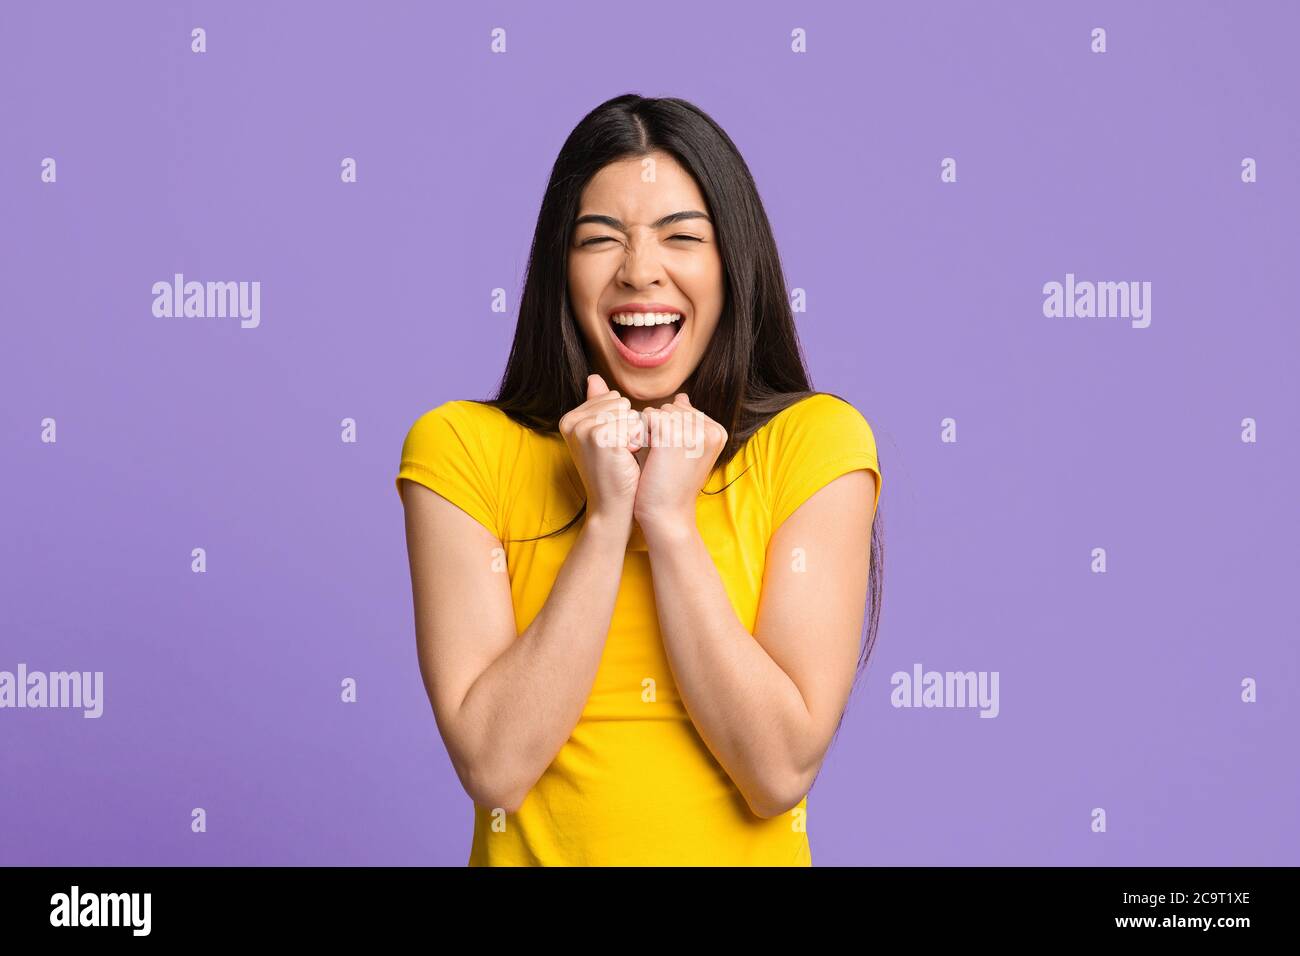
446 450
812 443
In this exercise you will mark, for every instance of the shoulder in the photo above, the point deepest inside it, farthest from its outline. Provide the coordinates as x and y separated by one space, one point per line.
808 444
463 412
819 406
820 419
455 451
458 424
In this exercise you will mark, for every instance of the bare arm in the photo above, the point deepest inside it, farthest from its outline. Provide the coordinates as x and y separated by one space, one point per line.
505 703
767 704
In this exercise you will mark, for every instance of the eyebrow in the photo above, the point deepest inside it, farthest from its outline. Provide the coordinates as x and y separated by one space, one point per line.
658 223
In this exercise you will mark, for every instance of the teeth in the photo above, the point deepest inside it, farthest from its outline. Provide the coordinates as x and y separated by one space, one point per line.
644 318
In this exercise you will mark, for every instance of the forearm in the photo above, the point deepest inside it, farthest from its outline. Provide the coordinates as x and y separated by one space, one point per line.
524 706
745 707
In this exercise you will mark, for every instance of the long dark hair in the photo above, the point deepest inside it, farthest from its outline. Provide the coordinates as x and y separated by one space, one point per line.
753 366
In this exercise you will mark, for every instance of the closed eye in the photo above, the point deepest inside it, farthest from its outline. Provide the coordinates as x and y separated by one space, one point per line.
595 239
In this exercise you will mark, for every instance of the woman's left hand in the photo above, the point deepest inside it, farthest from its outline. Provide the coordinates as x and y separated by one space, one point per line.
684 444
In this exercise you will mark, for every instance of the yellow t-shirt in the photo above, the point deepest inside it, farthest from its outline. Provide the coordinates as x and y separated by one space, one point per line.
635 783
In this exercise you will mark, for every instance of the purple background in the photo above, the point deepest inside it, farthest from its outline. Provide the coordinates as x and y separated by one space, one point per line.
1119 690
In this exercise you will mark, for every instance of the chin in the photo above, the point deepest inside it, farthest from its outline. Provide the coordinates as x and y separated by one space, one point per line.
644 385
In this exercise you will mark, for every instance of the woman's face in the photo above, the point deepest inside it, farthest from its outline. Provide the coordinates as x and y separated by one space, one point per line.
626 260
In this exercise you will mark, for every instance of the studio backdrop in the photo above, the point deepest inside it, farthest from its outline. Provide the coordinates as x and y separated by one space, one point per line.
1047 249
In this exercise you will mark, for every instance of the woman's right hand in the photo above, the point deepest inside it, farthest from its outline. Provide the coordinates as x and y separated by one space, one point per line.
608 466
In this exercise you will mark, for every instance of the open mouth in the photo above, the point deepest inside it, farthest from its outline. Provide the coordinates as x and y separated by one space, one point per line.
646 338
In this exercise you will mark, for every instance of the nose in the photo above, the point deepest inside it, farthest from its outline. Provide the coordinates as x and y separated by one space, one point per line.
641 266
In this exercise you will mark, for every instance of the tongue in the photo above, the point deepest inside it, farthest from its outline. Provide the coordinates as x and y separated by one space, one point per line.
649 338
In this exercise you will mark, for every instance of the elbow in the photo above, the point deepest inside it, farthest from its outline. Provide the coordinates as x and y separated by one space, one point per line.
510 802
494 787
775 797
488 774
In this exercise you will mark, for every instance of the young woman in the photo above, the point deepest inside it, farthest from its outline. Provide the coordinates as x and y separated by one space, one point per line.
640 572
